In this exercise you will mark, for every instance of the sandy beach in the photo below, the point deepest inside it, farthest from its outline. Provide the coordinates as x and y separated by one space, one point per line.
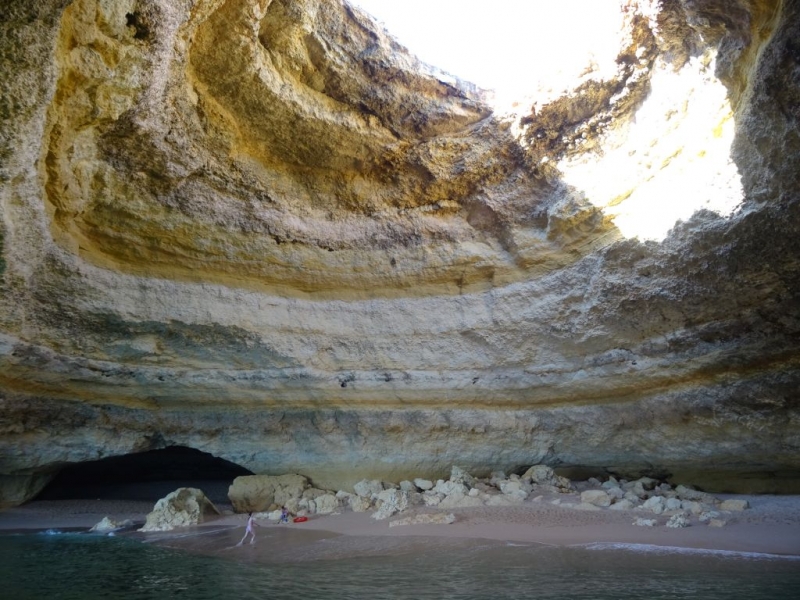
770 526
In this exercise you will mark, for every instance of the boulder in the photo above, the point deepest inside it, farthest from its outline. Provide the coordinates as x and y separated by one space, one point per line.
425 519
408 486
326 504
459 475
312 493
513 488
450 488
672 504
622 505
656 504
256 493
432 499
596 498
734 505
391 502
544 475
707 515
677 521
716 523
359 503
615 492
423 484
108 524
640 522
181 508
611 483
368 488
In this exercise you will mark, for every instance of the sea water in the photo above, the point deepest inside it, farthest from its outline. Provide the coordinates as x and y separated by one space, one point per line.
74 566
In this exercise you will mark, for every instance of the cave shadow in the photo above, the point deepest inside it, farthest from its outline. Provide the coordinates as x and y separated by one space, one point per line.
146 476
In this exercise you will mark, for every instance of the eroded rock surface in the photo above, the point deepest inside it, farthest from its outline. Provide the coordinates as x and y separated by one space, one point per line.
264 230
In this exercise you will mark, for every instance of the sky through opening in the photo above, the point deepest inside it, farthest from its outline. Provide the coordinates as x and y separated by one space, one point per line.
514 47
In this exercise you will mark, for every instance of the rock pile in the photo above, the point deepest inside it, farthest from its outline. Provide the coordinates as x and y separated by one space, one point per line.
266 494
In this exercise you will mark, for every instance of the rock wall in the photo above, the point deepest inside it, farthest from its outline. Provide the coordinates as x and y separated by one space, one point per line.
263 229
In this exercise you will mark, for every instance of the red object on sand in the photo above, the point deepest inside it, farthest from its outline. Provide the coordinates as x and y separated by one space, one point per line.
300 519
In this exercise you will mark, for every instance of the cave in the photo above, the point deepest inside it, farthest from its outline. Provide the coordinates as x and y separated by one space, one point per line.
146 476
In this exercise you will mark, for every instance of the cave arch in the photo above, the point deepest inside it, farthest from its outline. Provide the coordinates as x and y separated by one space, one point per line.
149 475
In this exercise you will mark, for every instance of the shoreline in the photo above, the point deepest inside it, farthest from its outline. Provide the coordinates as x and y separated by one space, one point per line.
770 527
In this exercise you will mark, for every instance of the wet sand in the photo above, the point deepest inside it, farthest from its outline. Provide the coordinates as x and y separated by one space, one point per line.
771 526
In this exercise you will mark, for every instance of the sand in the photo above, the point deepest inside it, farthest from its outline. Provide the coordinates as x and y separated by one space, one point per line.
771 526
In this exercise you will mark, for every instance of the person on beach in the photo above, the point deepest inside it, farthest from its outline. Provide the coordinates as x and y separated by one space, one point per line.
249 529
284 515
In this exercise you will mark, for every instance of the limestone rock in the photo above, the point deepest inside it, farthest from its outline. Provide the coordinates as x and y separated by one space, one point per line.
734 504
645 522
108 524
450 488
256 493
360 504
596 498
368 488
716 523
392 502
181 508
656 504
459 475
432 498
622 505
677 521
423 484
265 230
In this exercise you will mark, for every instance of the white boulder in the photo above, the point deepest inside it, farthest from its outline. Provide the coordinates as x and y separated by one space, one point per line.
459 475
107 524
655 504
368 488
391 502
622 505
734 505
596 498
677 521
423 484
181 508
359 503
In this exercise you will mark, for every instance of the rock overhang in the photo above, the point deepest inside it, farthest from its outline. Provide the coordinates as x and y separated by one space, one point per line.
258 213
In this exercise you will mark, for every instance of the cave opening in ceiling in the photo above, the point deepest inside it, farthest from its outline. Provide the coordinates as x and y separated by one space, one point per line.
658 164
147 476
514 48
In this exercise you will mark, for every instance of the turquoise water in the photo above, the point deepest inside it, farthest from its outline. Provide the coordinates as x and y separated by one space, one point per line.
80 566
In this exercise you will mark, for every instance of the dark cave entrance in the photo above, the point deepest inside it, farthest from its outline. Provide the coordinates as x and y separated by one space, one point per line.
147 476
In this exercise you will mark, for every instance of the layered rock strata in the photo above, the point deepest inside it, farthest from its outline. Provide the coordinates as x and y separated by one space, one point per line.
264 230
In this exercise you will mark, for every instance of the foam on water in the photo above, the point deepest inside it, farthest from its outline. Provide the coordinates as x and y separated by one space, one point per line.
654 549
